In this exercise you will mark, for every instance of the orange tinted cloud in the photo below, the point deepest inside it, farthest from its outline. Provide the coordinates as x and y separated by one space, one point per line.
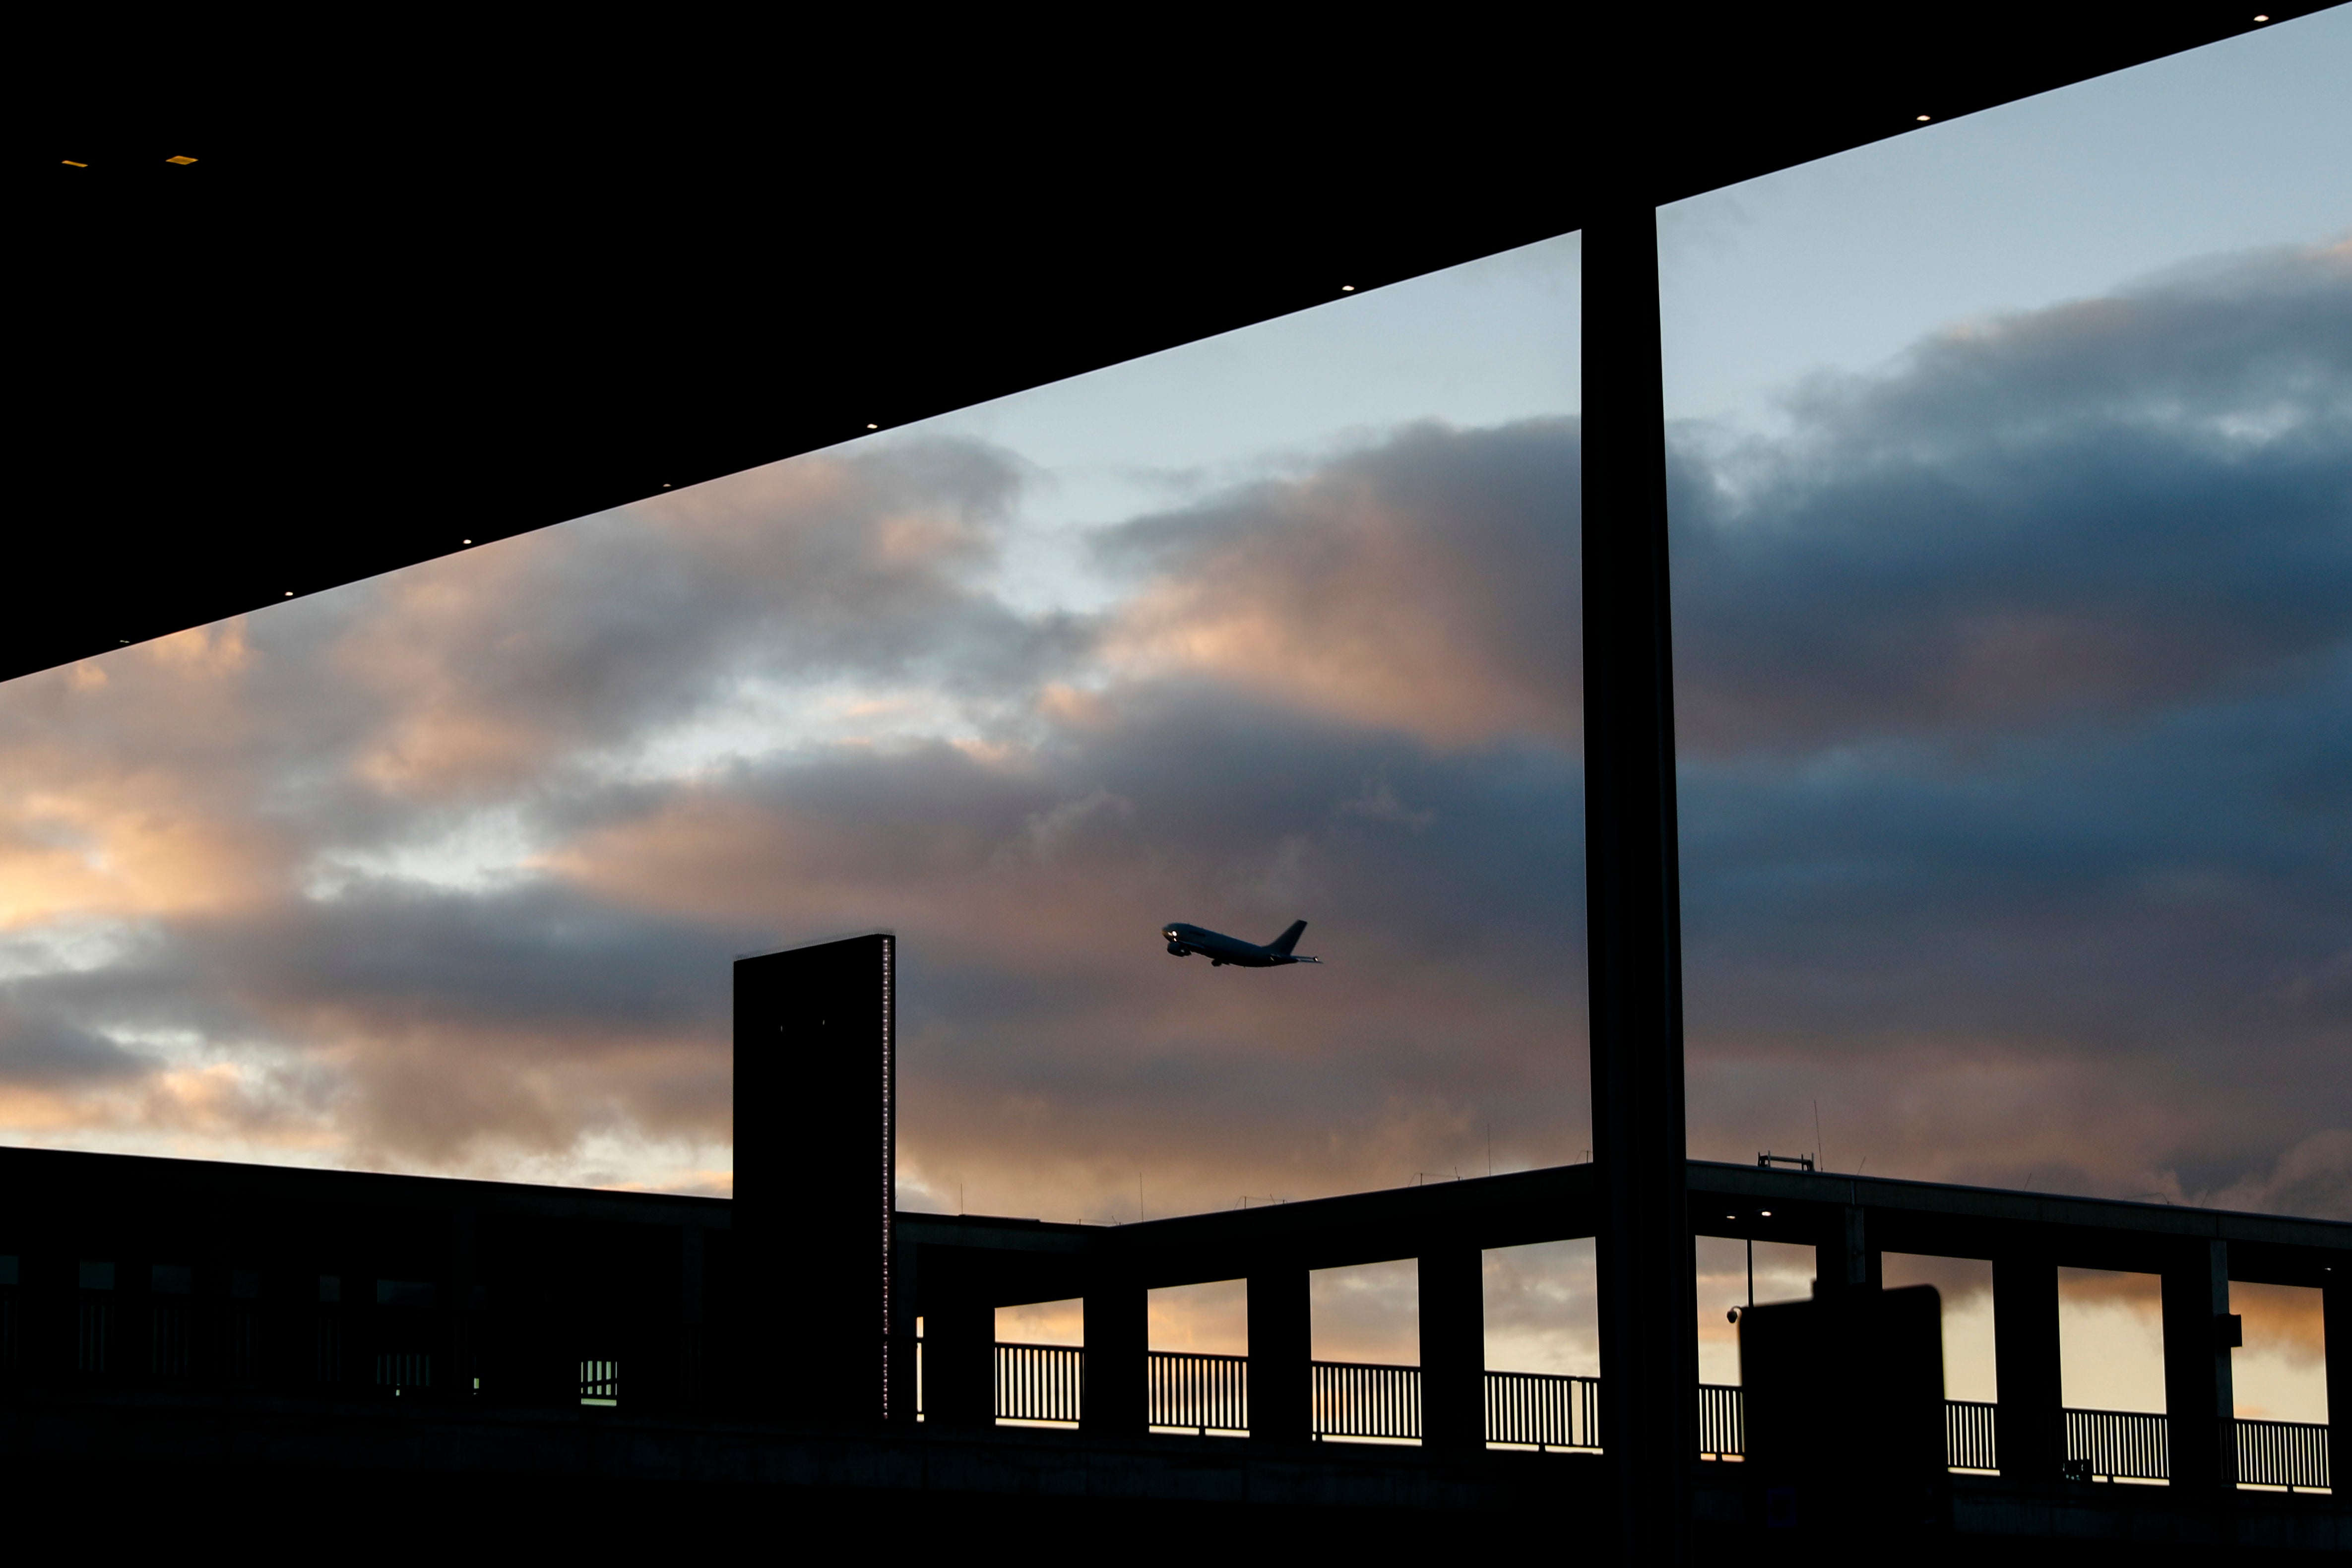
1428 585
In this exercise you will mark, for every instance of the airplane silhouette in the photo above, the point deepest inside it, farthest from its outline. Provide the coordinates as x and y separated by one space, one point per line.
1221 950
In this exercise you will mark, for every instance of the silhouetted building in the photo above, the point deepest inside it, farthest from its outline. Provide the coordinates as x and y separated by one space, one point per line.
248 1332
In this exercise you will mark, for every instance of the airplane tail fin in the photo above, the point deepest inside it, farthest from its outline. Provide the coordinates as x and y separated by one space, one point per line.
1288 939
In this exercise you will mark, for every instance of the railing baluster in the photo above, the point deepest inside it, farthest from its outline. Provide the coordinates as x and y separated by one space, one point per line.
2119 1445
1547 1411
1205 1393
2292 1454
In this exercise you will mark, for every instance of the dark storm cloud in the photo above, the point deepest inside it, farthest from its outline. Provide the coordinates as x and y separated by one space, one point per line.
2018 790
2091 510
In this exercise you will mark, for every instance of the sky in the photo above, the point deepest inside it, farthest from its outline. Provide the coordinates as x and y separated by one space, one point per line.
2011 484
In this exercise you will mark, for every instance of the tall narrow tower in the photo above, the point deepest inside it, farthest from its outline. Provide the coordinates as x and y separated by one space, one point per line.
815 1107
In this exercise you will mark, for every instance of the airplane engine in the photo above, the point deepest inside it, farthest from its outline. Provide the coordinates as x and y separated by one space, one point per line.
1179 949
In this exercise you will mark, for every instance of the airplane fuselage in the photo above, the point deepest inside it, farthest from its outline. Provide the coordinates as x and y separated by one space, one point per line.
1220 949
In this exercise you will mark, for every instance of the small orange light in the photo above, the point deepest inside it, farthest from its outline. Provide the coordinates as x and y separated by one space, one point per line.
177 158
71 163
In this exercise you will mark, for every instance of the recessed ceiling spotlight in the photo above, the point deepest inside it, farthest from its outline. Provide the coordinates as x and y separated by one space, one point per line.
1924 117
2261 18
179 158
1346 288
290 593
464 541
872 427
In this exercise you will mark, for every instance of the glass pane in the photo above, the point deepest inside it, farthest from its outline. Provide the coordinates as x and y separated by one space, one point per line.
2013 645
443 871
2013 619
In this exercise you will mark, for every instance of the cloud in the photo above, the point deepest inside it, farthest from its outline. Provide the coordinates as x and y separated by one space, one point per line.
2012 813
2014 809
2091 511
49 1051
480 670
1429 584
2313 1176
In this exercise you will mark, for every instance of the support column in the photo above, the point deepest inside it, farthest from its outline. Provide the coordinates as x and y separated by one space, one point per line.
2032 1433
1843 1259
812 1220
1454 1350
1117 1331
685 1381
2336 1344
960 1362
2198 1398
1647 1287
905 1350
1281 1347
458 1330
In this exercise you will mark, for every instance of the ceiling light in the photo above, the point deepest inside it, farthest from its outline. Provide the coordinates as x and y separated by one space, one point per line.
179 158
290 593
872 427
1924 118
1766 1213
2261 18
464 541
1346 288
